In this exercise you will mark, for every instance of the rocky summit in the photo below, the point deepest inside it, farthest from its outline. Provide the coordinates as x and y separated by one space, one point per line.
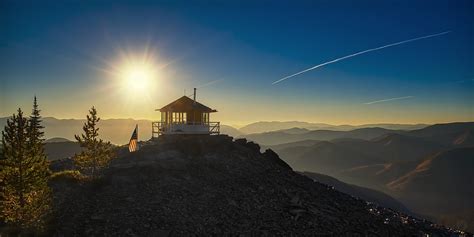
214 185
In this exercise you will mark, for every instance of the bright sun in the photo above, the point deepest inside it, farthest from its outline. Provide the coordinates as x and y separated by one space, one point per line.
138 77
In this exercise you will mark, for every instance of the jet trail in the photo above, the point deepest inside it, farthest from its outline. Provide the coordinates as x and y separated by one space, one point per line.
359 53
209 83
385 100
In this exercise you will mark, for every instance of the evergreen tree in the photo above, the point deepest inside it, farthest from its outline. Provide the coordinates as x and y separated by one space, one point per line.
35 131
25 195
97 153
38 158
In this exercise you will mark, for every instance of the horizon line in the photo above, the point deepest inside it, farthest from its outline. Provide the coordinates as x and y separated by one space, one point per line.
281 121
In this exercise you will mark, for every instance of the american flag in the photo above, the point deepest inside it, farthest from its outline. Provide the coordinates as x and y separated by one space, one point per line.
133 144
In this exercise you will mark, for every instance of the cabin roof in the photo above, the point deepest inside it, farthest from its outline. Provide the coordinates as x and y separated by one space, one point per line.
185 104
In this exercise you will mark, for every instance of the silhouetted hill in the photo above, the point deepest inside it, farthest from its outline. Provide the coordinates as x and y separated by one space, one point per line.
303 143
326 157
57 139
211 185
269 126
400 151
286 132
392 126
280 137
60 150
441 185
449 134
398 147
445 173
274 138
295 130
366 133
367 194
367 163
231 131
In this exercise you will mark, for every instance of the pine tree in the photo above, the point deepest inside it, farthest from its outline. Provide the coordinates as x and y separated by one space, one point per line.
97 153
39 160
25 195
35 131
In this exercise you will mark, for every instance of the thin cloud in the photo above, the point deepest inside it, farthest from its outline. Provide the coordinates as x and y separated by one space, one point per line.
391 99
359 53
209 83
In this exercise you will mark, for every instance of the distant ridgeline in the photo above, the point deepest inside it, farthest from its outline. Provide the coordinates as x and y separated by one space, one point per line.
118 131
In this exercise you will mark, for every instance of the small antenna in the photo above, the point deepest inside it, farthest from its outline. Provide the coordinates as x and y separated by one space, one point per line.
194 95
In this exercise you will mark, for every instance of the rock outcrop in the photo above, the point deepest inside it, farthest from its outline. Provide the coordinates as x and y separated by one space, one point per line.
212 185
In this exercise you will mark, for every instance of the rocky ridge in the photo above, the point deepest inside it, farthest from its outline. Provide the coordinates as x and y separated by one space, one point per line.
213 185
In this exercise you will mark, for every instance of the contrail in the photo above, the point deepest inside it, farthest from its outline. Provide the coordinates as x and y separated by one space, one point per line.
385 100
359 53
209 83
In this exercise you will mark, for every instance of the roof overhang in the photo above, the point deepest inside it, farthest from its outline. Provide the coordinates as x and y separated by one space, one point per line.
185 104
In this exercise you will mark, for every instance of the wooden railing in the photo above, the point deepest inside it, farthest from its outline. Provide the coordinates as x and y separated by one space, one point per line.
214 127
160 128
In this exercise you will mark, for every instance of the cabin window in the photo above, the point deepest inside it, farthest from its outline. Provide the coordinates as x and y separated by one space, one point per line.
178 117
163 116
183 117
205 117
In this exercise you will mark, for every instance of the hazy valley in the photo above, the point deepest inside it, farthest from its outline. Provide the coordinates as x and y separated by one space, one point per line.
428 169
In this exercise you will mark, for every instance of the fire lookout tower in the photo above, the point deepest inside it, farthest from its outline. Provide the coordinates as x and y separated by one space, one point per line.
185 116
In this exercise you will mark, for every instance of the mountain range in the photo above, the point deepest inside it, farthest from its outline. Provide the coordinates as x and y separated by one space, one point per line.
268 126
118 131
429 170
287 136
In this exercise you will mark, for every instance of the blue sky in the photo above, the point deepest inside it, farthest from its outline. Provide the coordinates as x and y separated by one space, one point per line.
58 51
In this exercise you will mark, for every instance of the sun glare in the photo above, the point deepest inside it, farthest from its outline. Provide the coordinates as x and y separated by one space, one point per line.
135 74
138 77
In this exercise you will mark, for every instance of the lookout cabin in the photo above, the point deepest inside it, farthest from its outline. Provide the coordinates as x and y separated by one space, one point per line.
185 116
